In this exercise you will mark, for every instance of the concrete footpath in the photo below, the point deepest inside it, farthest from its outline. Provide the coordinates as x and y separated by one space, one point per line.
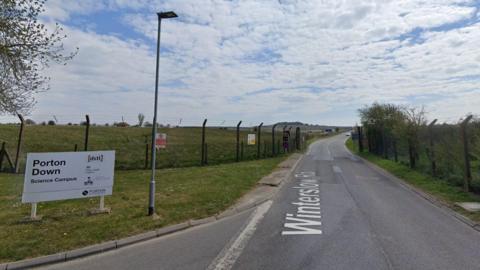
263 191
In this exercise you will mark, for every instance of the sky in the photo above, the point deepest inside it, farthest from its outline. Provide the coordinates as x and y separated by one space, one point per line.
263 61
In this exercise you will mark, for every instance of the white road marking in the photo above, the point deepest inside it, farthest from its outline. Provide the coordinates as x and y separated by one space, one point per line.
307 216
337 169
320 151
329 152
229 255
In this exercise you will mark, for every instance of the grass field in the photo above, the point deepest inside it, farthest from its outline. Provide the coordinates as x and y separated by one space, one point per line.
441 189
183 150
182 194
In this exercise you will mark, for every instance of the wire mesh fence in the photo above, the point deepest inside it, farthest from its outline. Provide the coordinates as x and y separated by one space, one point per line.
133 144
438 149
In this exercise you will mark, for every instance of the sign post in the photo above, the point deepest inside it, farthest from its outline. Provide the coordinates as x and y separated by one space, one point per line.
101 208
68 175
33 212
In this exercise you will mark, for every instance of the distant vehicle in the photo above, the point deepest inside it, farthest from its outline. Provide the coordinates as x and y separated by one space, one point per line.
347 134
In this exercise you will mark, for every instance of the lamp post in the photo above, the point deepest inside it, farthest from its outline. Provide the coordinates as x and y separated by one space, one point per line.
151 198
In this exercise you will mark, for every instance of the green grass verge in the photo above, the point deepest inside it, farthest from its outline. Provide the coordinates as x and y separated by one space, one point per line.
182 194
439 188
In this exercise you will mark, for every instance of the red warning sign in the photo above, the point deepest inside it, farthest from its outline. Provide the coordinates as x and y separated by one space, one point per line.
161 141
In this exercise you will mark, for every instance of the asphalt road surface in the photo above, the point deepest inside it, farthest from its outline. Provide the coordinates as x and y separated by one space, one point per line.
335 213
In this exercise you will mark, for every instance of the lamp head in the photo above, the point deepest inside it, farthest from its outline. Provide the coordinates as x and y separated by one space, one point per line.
167 15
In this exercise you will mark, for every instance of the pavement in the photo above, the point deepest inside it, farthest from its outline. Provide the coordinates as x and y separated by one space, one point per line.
334 212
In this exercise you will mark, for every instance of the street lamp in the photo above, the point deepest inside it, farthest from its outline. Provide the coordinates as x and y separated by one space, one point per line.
151 199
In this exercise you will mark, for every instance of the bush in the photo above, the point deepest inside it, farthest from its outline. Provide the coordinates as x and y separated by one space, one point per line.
121 124
30 122
51 123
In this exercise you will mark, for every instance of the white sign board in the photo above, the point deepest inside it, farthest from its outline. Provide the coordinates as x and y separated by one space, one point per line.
251 139
68 175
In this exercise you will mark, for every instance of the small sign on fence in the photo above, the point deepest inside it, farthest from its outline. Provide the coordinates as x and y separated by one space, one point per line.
68 175
251 139
161 141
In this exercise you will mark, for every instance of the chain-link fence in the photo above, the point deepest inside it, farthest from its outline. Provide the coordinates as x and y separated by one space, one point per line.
446 151
133 144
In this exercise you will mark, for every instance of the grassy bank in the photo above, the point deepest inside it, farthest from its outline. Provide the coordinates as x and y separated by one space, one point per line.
182 194
439 188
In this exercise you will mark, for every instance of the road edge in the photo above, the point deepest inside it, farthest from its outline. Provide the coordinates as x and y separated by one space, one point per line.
430 198
142 237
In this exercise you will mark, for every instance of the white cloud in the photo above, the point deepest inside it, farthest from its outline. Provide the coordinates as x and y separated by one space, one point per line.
217 52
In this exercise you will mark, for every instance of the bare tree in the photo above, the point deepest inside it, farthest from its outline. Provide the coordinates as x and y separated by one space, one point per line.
415 119
26 49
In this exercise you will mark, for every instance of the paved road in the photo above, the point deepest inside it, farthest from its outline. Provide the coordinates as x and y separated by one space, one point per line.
336 213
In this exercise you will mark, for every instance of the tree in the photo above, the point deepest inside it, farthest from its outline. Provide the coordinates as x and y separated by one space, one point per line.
51 123
26 49
415 120
29 122
382 121
121 124
141 118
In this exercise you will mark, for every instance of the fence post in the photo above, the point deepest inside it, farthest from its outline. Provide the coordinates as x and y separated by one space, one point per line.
297 138
432 150
241 153
75 148
289 139
385 142
369 140
259 132
202 162
238 141
376 145
360 142
19 144
206 154
395 153
411 154
273 139
87 132
146 156
2 154
467 173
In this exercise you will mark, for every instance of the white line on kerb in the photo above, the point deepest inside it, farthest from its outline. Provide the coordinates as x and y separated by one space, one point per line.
229 255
